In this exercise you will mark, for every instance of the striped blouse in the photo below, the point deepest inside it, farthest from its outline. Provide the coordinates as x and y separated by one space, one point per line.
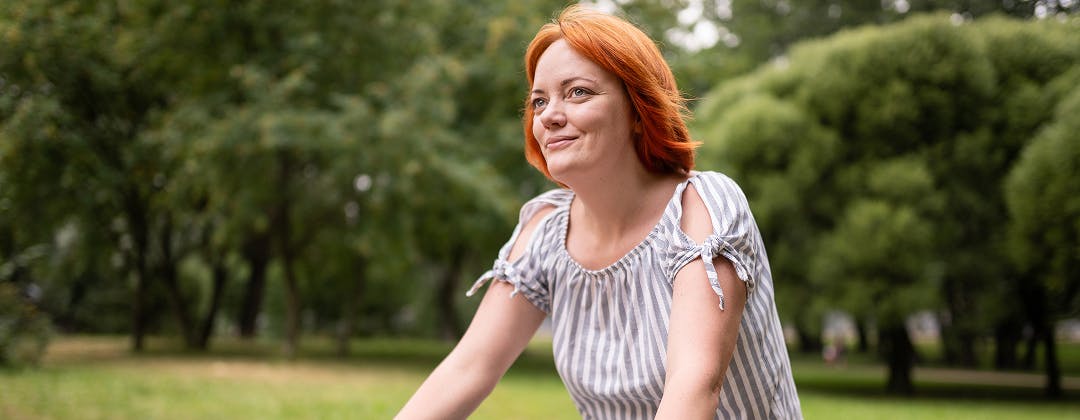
610 325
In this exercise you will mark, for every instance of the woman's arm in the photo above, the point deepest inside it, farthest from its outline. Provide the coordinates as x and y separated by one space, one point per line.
701 337
498 333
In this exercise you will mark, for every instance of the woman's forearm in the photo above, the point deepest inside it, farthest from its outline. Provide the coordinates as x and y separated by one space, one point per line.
497 335
452 391
689 401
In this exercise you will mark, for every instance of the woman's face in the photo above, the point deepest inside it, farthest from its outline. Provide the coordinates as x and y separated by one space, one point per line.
582 118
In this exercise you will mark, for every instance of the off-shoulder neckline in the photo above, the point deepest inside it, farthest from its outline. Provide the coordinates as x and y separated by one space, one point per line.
562 219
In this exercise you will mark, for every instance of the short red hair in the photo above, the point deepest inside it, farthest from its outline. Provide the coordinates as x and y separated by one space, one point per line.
664 144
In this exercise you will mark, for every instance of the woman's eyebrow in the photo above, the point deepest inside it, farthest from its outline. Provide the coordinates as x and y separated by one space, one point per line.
567 82
572 79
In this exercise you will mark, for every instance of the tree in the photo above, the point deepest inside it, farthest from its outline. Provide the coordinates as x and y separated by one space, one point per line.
92 103
1044 227
864 132
710 41
782 159
243 143
878 260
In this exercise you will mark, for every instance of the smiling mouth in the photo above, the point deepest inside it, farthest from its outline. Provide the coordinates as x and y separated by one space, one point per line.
559 142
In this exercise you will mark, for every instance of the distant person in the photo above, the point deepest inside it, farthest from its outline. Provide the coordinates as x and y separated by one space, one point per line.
834 353
654 275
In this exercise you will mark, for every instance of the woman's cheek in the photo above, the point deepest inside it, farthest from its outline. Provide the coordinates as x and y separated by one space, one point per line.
538 132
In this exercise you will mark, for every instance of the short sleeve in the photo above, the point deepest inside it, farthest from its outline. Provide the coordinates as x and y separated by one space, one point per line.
735 234
526 273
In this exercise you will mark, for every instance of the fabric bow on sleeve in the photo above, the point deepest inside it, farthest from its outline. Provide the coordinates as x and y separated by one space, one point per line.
712 247
501 270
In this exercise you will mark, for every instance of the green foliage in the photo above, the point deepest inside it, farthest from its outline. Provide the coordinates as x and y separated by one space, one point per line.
875 260
171 142
747 33
874 161
24 330
1044 207
144 139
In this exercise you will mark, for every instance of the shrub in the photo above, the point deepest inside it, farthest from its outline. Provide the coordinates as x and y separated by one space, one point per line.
24 330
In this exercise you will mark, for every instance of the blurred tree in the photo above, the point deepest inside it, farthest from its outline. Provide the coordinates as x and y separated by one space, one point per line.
1044 208
873 160
876 258
487 122
1029 65
223 140
709 41
766 28
75 107
785 170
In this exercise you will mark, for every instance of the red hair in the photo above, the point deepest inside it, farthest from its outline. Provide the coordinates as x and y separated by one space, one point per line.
664 144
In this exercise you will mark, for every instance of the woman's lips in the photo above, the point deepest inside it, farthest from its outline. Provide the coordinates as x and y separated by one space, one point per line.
556 143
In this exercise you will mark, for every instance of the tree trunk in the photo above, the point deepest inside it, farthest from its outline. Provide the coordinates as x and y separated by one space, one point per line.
1007 335
292 307
138 316
966 342
1034 304
864 338
66 320
1031 347
1053 370
257 253
179 303
896 347
809 340
1042 320
449 324
349 312
957 335
220 278
283 230
136 218
170 275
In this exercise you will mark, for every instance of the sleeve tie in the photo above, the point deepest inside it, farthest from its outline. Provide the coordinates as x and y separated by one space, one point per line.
708 251
500 270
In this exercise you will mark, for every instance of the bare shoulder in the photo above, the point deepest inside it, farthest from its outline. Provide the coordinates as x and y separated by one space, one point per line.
527 231
696 221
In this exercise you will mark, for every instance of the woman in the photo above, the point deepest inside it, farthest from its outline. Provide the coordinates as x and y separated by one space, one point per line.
647 321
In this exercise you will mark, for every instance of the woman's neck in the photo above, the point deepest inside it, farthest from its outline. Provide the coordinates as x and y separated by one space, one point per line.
611 207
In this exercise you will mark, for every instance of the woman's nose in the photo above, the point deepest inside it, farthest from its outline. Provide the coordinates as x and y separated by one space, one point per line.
552 115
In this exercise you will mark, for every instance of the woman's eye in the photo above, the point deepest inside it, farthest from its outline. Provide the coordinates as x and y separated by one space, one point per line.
539 102
578 92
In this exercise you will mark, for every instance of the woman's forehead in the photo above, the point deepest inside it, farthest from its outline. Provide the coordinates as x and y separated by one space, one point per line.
560 62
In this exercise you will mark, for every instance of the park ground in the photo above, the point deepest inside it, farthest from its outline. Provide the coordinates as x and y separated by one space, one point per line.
98 378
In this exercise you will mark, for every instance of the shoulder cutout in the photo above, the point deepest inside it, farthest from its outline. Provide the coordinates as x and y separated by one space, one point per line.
525 236
695 221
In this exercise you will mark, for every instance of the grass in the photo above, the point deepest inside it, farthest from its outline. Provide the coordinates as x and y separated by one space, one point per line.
96 378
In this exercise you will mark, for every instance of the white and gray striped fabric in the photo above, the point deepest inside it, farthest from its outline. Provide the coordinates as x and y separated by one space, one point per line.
610 326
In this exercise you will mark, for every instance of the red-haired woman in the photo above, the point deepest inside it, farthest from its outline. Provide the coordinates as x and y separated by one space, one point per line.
654 275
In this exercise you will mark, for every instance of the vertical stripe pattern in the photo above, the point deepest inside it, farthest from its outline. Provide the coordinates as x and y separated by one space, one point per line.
610 325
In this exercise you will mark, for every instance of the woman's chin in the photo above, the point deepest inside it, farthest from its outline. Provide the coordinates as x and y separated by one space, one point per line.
566 175
561 171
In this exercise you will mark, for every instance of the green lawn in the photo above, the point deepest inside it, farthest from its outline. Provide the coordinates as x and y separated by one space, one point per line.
95 378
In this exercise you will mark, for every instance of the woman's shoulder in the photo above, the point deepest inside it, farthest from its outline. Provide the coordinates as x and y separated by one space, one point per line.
556 198
718 189
546 201
715 178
